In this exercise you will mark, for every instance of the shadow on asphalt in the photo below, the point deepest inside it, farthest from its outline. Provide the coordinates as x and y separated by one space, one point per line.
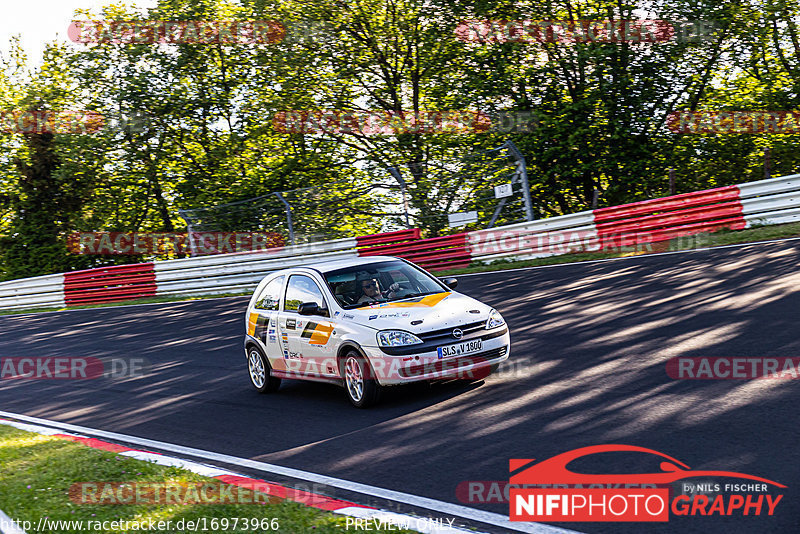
589 349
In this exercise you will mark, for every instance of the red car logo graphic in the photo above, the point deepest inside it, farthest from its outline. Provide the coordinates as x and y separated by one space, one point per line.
554 470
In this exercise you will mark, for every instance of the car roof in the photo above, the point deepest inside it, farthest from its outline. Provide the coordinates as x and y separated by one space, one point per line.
328 266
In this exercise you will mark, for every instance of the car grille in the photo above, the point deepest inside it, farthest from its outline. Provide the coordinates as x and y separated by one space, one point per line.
452 364
445 335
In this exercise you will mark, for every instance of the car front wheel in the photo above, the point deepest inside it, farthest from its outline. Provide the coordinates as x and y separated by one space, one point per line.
259 370
361 387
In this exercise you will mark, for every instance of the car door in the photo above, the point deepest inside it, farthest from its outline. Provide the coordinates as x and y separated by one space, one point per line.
306 338
266 309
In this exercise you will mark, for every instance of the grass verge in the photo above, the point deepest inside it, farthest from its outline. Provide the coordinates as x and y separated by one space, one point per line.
37 472
706 240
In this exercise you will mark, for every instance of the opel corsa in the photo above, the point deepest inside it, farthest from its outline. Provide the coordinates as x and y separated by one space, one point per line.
366 324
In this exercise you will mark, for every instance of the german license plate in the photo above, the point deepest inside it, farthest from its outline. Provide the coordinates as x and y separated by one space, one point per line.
466 347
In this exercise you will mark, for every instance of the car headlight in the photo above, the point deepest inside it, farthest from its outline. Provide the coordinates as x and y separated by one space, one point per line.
396 338
494 320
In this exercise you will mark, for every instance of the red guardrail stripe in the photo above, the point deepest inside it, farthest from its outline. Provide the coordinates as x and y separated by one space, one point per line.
102 291
684 200
128 267
100 282
434 253
717 211
457 240
437 255
615 240
105 284
105 289
111 297
388 237
734 223
95 294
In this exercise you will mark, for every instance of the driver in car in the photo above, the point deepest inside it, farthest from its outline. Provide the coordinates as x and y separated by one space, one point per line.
371 291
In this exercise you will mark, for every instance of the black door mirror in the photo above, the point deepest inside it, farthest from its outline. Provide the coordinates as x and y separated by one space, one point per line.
311 308
452 283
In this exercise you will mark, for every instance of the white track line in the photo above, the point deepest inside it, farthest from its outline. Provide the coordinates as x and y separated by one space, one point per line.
35 428
194 467
434 505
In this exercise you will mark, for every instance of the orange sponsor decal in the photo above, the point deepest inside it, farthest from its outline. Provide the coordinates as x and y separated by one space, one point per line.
251 324
321 334
426 302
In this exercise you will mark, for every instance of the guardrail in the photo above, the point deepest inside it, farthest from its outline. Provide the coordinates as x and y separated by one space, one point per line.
39 292
773 201
235 273
109 284
665 218
535 239
398 236
435 253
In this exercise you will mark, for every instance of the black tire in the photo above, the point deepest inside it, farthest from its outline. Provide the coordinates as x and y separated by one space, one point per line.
260 372
360 385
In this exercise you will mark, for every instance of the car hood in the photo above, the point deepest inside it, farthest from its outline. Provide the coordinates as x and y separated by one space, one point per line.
440 310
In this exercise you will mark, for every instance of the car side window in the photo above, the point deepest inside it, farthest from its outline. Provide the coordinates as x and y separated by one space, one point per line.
302 289
271 296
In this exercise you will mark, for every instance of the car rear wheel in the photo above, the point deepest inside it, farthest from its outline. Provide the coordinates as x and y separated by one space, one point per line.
259 370
361 387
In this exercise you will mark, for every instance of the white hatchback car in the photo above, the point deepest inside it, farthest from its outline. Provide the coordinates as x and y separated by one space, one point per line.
366 323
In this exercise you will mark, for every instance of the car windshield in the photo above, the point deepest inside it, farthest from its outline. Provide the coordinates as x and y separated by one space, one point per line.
378 282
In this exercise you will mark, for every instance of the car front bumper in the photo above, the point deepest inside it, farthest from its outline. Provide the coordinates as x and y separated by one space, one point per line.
426 365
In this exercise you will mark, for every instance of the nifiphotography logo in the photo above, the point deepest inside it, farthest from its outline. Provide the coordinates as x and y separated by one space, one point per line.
573 496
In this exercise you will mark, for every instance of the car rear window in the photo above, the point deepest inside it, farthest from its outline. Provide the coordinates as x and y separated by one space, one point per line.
271 295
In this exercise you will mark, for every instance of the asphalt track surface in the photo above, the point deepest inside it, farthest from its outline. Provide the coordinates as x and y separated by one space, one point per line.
589 348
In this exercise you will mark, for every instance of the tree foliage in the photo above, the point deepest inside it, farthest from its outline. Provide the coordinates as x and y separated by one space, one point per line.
192 126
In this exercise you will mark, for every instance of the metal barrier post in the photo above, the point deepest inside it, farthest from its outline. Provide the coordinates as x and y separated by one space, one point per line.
523 176
288 216
399 177
189 231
